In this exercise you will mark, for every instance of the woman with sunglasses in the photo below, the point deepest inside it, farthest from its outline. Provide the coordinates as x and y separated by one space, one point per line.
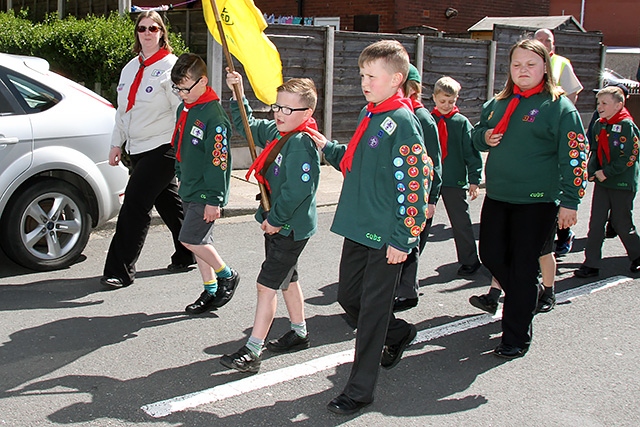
145 119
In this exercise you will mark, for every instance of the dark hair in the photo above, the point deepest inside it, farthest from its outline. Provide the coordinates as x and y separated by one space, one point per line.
155 17
538 48
188 65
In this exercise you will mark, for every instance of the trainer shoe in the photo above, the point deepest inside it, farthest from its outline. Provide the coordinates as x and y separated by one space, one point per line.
202 304
244 360
563 248
226 289
391 354
290 341
484 303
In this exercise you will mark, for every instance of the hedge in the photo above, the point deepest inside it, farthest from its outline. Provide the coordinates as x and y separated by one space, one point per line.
90 50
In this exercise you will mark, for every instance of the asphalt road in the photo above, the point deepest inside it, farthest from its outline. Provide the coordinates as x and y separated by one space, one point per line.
74 354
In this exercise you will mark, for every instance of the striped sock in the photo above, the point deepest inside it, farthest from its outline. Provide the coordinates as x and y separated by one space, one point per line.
211 286
223 272
299 328
255 345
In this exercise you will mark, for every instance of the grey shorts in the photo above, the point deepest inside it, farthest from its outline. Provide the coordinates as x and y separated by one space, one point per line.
195 231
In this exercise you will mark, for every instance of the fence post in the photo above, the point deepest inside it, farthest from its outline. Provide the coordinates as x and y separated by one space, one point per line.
419 53
491 69
329 48
215 63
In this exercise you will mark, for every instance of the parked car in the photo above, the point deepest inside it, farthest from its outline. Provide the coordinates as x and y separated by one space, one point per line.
610 77
55 179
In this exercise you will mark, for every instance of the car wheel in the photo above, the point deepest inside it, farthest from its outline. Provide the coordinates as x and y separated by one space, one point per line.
47 226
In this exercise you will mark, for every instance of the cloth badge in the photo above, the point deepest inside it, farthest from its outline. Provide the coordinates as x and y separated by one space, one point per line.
217 146
305 177
306 167
412 198
278 160
373 141
223 166
412 160
400 187
276 170
399 175
413 171
400 198
402 210
218 129
572 135
199 124
412 211
409 222
216 161
580 138
389 126
197 132
416 149
120 86
156 72
397 162
414 186
148 89
195 141
405 150
574 162
616 128
623 138
216 153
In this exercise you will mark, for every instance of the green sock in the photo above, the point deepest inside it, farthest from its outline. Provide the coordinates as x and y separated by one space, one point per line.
255 345
211 286
224 272
299 328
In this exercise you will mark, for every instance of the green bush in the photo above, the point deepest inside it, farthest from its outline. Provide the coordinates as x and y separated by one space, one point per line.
90 50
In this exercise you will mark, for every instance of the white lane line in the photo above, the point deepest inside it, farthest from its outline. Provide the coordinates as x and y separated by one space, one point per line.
267 379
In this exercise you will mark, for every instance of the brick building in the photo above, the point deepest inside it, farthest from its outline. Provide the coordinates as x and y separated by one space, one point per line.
391 16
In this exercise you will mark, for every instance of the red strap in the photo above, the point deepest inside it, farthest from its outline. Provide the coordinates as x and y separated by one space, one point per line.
443 132
502 125
133 90
394 102
208 96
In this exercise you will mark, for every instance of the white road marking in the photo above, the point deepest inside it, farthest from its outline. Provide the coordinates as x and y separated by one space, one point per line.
267 379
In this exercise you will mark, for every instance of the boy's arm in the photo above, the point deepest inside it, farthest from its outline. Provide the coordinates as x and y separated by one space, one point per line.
623 157
432 143
262 130
301 181
480 129
571 150
471 155
175 147
216 164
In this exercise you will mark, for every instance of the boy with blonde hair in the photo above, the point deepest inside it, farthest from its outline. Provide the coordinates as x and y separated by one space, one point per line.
461 170
381 213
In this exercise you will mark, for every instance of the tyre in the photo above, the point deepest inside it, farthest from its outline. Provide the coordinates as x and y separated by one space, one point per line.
47 226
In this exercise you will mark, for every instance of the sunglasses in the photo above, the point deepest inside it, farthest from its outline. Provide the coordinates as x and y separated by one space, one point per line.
286 110
151 28
177 89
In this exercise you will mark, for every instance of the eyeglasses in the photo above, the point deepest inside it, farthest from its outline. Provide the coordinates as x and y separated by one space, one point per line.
151 28
286 110
177 89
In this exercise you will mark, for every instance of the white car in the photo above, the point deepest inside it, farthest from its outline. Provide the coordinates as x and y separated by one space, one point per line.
55 179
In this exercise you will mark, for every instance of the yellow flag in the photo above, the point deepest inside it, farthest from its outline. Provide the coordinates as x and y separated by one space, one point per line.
243 26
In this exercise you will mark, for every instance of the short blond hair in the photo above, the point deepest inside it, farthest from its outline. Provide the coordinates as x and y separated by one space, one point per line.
393 54
304 88
447 85
614 91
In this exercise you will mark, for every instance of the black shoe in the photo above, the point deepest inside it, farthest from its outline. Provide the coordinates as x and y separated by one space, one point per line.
290 341
507 351
243 360
226 289
402 304
391 354
635 266
202 304
483 302
609 232
469 270
584 272
178 268
344 405
113 282
546 303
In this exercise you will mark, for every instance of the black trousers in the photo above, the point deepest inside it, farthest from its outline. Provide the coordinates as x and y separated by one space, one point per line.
152 183
408 285
366 290
511 239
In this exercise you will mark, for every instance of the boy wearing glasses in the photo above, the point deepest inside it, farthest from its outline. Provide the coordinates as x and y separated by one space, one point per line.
289 167
203 167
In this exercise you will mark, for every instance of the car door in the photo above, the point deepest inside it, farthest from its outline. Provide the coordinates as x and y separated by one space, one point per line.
16 139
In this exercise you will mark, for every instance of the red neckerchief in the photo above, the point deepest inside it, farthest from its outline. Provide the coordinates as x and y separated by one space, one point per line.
133 90
501 127
603 136
258 163
394 102
208 96
416 104
443 132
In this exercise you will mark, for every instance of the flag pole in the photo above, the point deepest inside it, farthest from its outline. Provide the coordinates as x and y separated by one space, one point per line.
264 196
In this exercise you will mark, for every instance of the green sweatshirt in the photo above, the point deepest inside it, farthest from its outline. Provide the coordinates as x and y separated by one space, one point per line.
204 171
432 143
622 170
293 177
384 196
542 155
463 164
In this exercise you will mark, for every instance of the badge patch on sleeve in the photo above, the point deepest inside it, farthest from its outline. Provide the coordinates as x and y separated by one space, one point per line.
389 126
197 132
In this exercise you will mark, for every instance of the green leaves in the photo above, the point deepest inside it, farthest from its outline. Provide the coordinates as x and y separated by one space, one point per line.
90 50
